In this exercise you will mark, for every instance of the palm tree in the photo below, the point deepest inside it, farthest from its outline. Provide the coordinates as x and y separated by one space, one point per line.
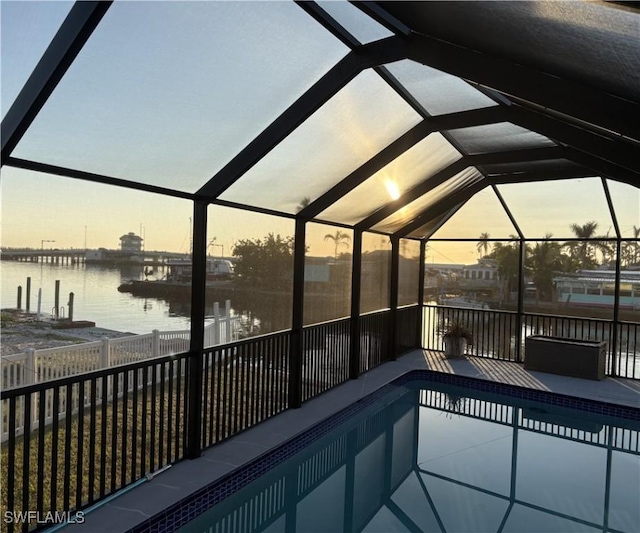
545 261
483 244
339 238
606 248
583 251
507 257
631 250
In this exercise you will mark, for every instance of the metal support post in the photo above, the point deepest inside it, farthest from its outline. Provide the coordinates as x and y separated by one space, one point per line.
519 320
393 298
356 280
421 273
196 346
616 312
297 318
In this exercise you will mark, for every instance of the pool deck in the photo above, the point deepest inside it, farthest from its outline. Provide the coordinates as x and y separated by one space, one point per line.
149 498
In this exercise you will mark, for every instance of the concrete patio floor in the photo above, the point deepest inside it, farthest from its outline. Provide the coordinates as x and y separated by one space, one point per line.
132 507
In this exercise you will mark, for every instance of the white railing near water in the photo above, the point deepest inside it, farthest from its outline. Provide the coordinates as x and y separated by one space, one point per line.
37 366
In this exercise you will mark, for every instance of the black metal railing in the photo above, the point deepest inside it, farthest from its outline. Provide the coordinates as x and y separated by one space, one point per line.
374 340
494 332
243 384
325 352
570 327
627 354
502 334
558 423
73 441
408 328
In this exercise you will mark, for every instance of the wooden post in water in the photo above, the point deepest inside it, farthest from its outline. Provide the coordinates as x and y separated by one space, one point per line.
39 303
28 297
56 304
70 305
19 306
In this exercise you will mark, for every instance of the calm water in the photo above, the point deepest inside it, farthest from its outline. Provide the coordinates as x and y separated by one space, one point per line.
96 296
441 459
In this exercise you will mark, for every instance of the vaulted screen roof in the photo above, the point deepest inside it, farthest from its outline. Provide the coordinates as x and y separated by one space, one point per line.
379 115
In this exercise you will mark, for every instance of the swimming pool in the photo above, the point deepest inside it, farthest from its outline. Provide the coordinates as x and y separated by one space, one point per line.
447 455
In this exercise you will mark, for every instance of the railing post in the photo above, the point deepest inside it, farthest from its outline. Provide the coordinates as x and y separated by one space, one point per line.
105 353
356 280
216 323
227 324
30 370
155 343
297 319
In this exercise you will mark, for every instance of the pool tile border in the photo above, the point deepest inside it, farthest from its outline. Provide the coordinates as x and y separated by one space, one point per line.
188 508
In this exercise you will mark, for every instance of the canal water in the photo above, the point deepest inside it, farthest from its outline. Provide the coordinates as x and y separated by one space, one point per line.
96 296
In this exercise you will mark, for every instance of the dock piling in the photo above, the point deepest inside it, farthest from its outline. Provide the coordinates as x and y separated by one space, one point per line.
19 306
39 303
70 305
57 300
28 298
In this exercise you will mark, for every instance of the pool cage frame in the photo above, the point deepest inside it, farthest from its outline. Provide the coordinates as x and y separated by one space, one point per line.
157 412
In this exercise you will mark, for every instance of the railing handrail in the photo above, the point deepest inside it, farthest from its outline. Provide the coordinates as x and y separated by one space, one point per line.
377 311
129 337
241 342
87 376
74 348
569 317
12 358
407 306
326 322
497 311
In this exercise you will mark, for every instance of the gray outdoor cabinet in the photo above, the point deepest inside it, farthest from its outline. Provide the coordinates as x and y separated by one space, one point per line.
568 357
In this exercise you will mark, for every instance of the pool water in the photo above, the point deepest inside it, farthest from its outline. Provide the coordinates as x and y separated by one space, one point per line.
436 457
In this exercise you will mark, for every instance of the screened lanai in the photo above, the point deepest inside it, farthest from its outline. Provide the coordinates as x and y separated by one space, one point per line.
370 170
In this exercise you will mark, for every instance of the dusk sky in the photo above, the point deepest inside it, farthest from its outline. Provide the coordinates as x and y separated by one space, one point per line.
203 109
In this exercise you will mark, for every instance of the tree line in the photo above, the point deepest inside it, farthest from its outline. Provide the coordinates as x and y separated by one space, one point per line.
547 258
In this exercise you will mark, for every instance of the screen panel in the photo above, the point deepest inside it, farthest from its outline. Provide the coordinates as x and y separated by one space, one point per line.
403 216
334 141
498 138
417 164
26 31
437 91
361 26
166 93
559 208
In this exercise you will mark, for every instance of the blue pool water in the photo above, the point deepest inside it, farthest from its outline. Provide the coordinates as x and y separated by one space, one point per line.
429 456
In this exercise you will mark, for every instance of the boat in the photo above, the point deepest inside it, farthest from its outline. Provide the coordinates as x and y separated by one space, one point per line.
461 301
177 282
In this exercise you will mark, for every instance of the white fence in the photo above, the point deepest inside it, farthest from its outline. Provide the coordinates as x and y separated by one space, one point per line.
37 366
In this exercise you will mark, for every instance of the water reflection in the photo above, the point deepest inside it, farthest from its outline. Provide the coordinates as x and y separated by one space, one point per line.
449 459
